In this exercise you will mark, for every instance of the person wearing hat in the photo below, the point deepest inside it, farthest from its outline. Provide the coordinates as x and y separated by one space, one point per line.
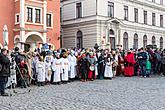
40 70
4 71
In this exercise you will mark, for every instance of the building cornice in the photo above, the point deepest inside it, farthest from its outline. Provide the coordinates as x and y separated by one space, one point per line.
127 24
148 4
29 29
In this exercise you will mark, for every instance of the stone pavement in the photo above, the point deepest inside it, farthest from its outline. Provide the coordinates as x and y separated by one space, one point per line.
121 93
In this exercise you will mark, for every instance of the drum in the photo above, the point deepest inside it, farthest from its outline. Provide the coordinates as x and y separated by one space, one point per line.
92 68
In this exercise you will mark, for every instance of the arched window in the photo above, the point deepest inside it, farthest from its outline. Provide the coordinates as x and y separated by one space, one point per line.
153 40
135 40
144 41
161 42
79 39
112 39
125 41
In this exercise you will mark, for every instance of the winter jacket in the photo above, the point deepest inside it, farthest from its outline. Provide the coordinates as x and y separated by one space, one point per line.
5 62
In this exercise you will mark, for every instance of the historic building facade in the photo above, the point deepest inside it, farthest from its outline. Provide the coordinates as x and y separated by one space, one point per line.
31 22
111 23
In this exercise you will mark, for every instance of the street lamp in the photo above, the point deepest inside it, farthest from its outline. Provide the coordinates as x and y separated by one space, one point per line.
5 36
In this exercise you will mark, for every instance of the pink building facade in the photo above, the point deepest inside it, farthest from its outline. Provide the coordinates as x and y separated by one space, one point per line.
31 23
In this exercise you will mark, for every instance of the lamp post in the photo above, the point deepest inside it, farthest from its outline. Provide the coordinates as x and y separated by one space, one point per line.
5 36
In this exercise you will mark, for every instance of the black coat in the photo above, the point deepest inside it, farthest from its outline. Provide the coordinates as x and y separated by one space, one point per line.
5 62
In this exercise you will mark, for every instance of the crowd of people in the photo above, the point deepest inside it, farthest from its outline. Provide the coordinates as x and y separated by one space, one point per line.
43 67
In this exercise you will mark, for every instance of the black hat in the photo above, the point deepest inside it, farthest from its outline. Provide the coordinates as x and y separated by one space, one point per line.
16 49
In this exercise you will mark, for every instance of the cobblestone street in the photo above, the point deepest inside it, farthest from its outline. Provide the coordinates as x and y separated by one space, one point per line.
121 93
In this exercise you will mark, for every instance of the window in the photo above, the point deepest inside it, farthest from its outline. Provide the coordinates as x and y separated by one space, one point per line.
125 41
161 2
29 14
49 20
153 40
136 14
78 10
161 42
135 41
17 18
79 39
144 41
126 13
145 17
161 20
153 19
110 9
112 39
37 16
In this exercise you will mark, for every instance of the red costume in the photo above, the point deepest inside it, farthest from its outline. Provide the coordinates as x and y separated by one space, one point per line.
129 64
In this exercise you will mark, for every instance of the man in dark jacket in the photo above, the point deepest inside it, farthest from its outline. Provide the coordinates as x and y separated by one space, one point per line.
4 71
142 58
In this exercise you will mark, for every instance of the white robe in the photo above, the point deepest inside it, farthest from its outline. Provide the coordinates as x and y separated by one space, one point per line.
57 69
40 70
73 63
65 69
96 69
108 70
48 69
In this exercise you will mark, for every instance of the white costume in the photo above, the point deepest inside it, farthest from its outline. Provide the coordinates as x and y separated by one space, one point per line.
65 69
40 70
108 70
12 79
96 69
73 62
48 71
57 69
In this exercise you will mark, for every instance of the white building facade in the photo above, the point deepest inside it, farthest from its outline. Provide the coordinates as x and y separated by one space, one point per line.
113 23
